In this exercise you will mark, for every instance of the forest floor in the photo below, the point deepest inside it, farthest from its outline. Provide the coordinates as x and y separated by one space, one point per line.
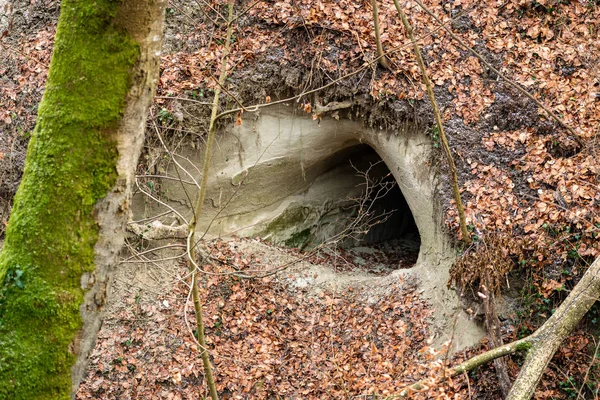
524 179
319 329
325 326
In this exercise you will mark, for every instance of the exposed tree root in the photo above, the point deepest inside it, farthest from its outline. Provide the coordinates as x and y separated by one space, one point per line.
380 53
156 230
333 106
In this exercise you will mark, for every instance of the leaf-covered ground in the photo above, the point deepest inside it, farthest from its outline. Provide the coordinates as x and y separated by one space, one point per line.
268 338
528 184
279 338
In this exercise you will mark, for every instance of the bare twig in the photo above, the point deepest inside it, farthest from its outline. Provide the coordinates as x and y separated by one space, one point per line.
169 178
140 221
223 88
174 211
244 11
204 103
212 8
587 372
168 246
178 166
199 205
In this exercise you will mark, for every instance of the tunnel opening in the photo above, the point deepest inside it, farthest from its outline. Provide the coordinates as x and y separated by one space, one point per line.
373 228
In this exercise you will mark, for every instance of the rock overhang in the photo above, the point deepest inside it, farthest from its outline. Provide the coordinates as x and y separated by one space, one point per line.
280 174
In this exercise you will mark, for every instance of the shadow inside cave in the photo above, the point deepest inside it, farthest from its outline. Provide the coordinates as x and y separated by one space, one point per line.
379 233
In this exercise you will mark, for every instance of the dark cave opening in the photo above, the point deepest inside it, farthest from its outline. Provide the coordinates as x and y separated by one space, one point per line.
385 235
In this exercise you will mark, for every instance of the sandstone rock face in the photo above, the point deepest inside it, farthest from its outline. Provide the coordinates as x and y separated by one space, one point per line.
294 181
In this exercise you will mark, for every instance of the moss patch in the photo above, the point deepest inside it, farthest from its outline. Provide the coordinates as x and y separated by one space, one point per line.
290 218
293 227
299 239
51 233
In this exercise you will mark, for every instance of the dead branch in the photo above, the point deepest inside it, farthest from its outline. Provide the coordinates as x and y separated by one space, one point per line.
438 119
158 231
540 345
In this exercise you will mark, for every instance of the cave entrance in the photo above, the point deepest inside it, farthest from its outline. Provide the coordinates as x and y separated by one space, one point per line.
378 232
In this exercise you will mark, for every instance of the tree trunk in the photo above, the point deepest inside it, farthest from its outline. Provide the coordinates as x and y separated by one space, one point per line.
67 224
540 345
555 330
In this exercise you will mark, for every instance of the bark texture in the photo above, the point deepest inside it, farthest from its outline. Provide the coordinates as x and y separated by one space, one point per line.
66 225
540 345
555 330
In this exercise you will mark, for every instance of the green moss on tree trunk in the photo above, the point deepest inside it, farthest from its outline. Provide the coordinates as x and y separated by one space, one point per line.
52 231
